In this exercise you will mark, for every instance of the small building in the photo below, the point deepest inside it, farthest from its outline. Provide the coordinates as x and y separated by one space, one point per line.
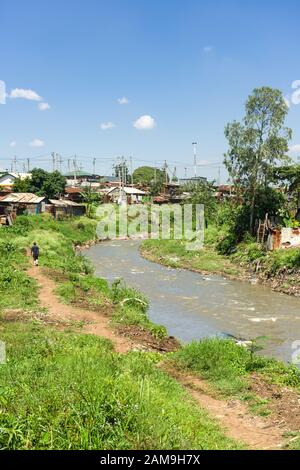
74 194
61 208
7 179
22 203
125 194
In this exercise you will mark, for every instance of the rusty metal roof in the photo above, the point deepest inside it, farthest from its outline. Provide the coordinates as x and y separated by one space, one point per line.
22 198
64 203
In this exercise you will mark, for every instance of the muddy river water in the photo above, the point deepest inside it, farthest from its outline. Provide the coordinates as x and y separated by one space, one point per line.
193 306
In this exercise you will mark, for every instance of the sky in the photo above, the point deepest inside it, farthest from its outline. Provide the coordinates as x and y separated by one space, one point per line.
141 78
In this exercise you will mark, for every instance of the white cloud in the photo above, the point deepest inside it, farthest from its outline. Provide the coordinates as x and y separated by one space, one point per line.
144 123
123 100
107 125
43 106
208 49
25 94
295 149
37 143
13 144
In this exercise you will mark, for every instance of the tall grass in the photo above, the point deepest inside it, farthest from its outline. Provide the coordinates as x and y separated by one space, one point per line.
71 391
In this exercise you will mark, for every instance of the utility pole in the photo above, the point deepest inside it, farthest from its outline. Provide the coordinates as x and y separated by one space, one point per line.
59 162
53 161
131 171
94 166
166 172
28 165
219 175
69 167
75 169
195 158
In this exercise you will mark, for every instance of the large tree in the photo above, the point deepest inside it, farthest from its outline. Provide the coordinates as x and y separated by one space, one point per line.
257 143
148 174
42 183
289 175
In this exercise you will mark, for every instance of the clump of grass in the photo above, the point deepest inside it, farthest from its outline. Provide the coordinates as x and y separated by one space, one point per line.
228 366
71 391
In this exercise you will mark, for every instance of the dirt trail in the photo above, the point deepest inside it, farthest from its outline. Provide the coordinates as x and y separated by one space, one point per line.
239 424
99 323
233 416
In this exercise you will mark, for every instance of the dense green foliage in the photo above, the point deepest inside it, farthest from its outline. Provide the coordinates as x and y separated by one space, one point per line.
51 185
148 174
228 366
71 391
257 143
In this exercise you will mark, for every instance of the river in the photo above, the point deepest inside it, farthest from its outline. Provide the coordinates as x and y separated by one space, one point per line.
194 306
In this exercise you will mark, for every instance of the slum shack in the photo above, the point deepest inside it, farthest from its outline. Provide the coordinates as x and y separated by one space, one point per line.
61 208
22 203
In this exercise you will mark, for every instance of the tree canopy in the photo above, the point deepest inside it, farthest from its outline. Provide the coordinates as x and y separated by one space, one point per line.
42 183
257 143
148 174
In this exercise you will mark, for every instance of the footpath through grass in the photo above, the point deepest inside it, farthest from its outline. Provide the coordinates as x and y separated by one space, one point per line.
57 241
61 390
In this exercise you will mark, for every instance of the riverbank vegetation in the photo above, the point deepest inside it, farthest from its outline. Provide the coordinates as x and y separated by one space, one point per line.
61 390
265 188
85 395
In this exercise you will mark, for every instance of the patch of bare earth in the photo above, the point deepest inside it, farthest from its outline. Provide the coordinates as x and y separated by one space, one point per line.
93 322
144 337
234 417
283 402
260 433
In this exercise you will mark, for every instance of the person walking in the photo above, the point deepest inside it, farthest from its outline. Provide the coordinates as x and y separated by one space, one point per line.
35 252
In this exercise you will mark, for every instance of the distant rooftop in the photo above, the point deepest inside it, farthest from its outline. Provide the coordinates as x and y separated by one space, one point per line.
79 174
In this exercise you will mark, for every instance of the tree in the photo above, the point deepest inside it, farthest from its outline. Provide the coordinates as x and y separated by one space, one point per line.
42 183
148 174
289 174
54 185
21 185
257 143
90 198
203 192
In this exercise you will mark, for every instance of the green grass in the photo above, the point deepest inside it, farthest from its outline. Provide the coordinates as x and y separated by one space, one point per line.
173 253
57 240
62 390
227 366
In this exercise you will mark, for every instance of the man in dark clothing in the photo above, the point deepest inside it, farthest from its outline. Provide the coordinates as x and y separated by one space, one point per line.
35 251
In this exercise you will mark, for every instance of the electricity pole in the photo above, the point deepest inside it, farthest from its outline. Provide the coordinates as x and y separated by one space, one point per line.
94 166
195 158
53 161
131 171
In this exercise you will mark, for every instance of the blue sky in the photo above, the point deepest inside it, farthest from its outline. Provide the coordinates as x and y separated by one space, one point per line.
187 65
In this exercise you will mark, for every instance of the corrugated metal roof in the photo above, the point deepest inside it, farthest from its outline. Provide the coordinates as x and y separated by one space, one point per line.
129 190
64 203
22 198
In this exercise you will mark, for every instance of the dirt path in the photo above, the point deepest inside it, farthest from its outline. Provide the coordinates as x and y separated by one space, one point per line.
237 422
233 416
99 324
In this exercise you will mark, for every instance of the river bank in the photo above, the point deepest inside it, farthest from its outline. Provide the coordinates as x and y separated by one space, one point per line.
208 261
134 402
